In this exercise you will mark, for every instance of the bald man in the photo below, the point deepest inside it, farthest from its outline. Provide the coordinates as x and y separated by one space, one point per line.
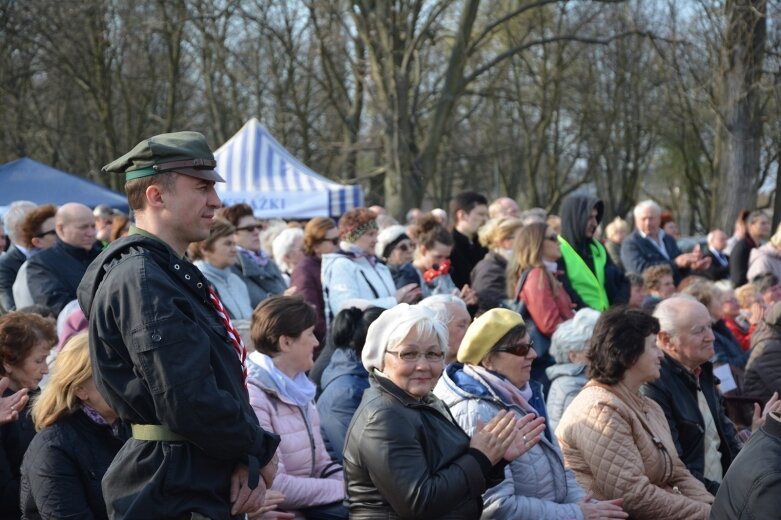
53 275
504 207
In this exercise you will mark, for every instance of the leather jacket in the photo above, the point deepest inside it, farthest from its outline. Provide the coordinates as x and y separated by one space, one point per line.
676 392
405 458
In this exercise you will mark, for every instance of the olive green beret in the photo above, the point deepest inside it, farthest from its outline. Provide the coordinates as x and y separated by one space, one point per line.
485 332
182 152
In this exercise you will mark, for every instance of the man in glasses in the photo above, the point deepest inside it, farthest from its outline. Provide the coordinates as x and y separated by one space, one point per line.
53 275
592 279
165 356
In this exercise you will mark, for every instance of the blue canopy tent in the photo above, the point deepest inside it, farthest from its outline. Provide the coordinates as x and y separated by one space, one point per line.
261 172
26 179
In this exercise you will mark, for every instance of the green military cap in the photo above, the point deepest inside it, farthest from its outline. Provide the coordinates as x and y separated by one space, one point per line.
183 152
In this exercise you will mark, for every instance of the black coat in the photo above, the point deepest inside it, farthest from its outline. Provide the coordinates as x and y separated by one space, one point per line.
161 356
676 392
9 266
14 439
738 261
54 274
716 271
464 257
63 467
752 487
489 281
405 458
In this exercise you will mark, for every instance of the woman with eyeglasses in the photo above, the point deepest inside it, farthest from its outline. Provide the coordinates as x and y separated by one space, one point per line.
253 265
492 377
395 248
320 237
405 456
533 278
616 440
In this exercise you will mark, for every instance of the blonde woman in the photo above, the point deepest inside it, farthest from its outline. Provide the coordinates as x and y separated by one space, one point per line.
489 277
79 435
532 278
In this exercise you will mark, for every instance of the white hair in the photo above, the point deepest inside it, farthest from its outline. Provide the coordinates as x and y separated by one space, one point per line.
667 312
573 335
438 305
17 210
646 204
283 245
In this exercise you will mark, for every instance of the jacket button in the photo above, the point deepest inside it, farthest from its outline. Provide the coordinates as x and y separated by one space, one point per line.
157 338
187 277
199 285
176 266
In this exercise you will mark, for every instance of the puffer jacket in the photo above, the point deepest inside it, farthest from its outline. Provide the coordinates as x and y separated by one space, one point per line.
349 281
764 259
63 467
405 458
567 379
763 370
619 445
342 383
306 476
536 485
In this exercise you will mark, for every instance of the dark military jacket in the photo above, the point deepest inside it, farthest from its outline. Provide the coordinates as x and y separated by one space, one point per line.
160 355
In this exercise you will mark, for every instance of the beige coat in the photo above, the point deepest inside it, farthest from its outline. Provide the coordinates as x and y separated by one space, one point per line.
618 444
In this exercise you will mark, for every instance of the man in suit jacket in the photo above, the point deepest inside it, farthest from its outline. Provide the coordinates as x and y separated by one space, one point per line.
649 245
719 266
16 255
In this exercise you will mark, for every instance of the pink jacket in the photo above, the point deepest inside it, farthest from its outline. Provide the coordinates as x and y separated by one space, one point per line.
307 476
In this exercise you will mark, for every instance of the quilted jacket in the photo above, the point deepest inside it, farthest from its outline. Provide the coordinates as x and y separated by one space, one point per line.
536 484
306 476
618 444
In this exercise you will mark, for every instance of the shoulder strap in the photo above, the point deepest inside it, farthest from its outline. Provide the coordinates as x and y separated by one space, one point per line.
521 282
374 291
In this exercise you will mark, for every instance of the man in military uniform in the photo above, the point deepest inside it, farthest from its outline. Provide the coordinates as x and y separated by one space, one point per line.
164 354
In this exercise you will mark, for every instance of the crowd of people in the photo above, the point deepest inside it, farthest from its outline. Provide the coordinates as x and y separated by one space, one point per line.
193 361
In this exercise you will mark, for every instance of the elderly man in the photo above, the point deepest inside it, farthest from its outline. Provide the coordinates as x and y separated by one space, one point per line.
53 275
504 207
719 265
450 310
104 219
686 390
16 255
165 356
649 245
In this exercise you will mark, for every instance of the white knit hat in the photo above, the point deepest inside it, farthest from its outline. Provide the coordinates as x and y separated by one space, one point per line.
392 327
391 235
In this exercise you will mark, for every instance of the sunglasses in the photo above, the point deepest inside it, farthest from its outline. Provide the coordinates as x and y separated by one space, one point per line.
519 349
251 228
552 238
403 247
334 240
44 233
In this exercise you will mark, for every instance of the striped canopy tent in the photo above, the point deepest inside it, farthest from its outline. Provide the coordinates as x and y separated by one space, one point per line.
261 172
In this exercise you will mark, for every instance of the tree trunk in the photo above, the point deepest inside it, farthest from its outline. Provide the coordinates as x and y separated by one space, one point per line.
740 134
